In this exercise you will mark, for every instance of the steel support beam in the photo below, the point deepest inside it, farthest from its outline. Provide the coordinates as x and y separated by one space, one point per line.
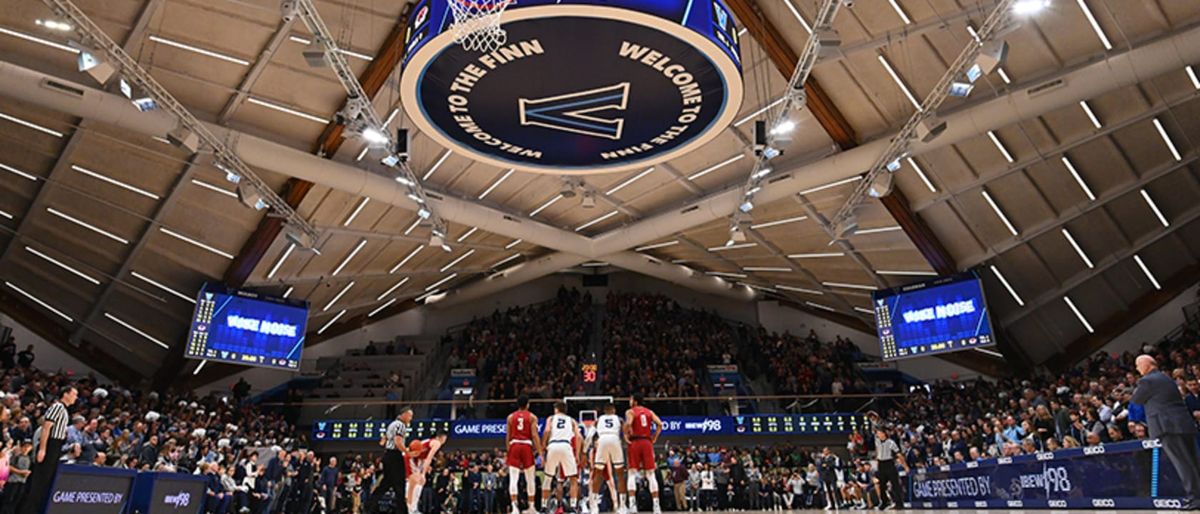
260 65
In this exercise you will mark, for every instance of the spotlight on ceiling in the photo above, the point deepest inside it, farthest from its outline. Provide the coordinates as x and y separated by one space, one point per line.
138 96
295 235
847 227
94 63
374 137
961 89
829 40
250 196
314 54
991 56
881 185
231 175
60 26
568 187
589 200
930 128
1030 6
184 138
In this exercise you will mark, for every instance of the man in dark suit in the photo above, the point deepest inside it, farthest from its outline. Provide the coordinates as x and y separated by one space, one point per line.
1169 422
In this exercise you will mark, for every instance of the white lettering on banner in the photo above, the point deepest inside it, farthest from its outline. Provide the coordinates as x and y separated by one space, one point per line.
1050 480
1167 504
1016 503
948 310
1004 460
1151 443
179 501
1103 502
1045 456
952 505
952 487
981 505
271 328
1056 504
87 497
944 467
1093 450
972 465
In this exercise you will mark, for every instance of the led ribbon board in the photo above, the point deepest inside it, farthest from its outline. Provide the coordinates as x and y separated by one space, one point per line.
244 327
936 316
580 87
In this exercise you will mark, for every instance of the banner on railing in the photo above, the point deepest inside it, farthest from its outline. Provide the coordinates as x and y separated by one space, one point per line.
674 426
462 372
1125 475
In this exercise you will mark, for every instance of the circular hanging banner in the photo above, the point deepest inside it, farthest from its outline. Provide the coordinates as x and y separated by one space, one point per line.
580 87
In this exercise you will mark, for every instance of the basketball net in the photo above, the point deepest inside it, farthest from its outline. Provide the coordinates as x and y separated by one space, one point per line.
477 24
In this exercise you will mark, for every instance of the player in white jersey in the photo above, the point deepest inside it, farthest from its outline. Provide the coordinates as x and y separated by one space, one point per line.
609 459
561 454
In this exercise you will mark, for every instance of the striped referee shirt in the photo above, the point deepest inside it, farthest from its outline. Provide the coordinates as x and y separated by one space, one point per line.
395 428
57 414
886 450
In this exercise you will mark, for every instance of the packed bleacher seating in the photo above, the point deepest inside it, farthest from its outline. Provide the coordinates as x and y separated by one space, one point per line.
809 366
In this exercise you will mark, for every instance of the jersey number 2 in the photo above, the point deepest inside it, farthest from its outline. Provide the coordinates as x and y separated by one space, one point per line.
562 423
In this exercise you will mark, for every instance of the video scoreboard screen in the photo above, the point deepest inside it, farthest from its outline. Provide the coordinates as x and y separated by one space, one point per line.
800 424
244 327
942 315
372 430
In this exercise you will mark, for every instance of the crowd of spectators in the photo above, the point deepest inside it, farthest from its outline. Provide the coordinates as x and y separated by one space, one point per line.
810 366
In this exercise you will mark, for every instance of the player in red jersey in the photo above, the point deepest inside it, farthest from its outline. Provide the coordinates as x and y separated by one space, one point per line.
642 428
420 455
521 440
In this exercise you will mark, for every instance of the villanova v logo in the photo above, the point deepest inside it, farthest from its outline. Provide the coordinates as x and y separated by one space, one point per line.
572 112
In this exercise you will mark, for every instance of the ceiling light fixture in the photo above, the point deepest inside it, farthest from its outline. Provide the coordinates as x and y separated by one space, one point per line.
136 330
899 82
716 167
362 203
18 172
1027 7
776 223
999 213
195 243
844 181
921 174
30 125
845 285
338 296
900 11
436 165
907 273
799 290
331 322
630 180
286 110
439 283
766 269
392 289
1154 207
796 13
820 306
505 260
1191 73
985 351
163 287
289 291
725 274
865 310
514 242
1000 146
39 301
1087 109
114 182
1095 26
758 112
62 265
381 307
405 259
4 214
466 235
1078 314
656 246
416 222
496 184
878 230
349 257
1078 249
820 255
597 220
460 258
1078 179
1012 292
1150 276
546 205
1167 139
198 50
732 247
87 225
199 367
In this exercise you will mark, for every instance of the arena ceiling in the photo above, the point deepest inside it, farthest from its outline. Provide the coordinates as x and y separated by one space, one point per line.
106 232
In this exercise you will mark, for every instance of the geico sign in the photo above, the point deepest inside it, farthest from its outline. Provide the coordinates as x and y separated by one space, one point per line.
1151 443
1103 502
1056 504
1168 504
1093 450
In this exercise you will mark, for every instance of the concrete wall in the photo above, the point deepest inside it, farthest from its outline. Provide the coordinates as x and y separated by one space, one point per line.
1154 326
47 356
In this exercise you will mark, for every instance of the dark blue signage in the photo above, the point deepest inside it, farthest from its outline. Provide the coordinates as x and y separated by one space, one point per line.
938 316
89 490
168 493
243 327
675 426
581 86
1132 474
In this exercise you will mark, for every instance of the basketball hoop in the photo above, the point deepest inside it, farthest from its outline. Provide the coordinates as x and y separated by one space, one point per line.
477 24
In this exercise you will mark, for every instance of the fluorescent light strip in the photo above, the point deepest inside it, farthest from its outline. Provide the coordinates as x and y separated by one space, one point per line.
1146 270
362 203
1079 315
631 180
903 15
656 246
426 295
597 220
1003 76
799 289
844 181
899 83
460 258
39 302
796 13
1008 286
848 286
282 258
338 296
878 230
1167 139
593 264
194 242
136 330
820 306
286 110
545 205
362 153
1087 109
392 289
391 116
1154 207
758 287
18 172
715 167
31 125
87 225
974 34
343 51
732 247
62 265
1071 239
999 213
515 242
815 255
38 40
921 173
725 274
989 352
5 215
506 260
199 367
1078 179
436 165
776 223
406 259
1095 26
114 182
492 187
416 223
197 50
380 308
766 269
865 310
1000 146
1191 73
437 284
331 322
466 235
163 287
755 114
162 140
289 291
349 257
214 188
907 273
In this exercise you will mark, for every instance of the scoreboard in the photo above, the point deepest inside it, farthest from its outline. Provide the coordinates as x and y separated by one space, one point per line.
801 424
372 430
248 328
942 315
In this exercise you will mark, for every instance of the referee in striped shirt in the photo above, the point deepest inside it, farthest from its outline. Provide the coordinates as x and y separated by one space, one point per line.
395 474
887 452
52 436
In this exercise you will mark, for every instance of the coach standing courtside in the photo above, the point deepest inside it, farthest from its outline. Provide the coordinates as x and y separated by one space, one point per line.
1168 420
50 440
395 475
887 452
